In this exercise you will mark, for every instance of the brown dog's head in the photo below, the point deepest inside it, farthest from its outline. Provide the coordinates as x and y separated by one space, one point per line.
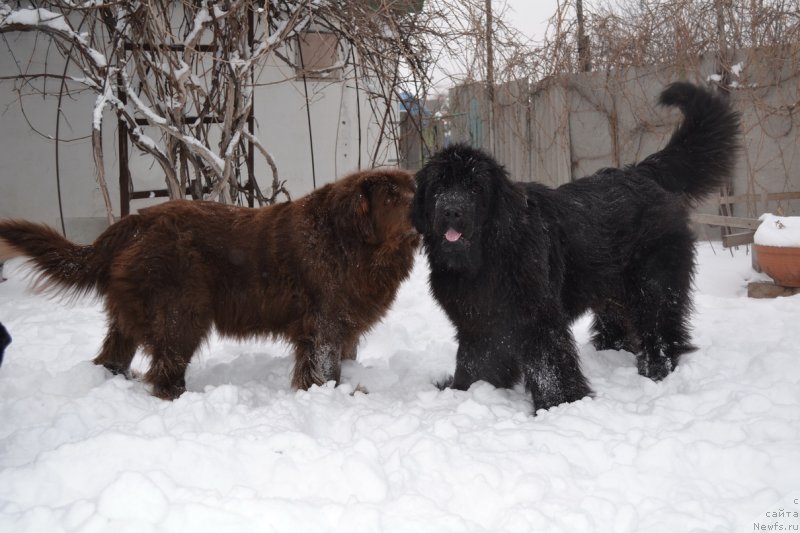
376 204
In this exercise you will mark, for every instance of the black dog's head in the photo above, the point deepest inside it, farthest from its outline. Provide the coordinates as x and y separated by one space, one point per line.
457 199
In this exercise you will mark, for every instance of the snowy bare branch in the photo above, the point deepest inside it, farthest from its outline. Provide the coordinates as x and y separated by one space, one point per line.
179 76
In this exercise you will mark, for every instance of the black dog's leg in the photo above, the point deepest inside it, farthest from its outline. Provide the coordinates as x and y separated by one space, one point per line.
468 366
612 329
665 337
552 373
486 359
662 306
463 377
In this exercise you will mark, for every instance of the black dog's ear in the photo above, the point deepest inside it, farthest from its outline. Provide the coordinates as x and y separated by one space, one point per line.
418 217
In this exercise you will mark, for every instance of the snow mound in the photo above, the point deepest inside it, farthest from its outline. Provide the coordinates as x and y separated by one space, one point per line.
778 231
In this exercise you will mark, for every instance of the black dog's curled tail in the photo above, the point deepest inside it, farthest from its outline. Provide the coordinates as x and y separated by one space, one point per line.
701 154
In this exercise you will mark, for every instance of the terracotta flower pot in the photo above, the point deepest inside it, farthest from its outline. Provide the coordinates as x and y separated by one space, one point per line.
781 263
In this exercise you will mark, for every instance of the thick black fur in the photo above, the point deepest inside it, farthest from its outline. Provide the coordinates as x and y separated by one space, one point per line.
5 340
524 261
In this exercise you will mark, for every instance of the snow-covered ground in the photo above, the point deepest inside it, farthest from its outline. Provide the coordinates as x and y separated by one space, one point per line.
715 447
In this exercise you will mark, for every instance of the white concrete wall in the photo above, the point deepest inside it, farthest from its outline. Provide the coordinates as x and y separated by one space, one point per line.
28 186
28 160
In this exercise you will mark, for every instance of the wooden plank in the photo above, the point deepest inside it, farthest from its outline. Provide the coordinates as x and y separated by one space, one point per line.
189 119
162 193
756 198
738 239
730 222
174 47
779 196
767 289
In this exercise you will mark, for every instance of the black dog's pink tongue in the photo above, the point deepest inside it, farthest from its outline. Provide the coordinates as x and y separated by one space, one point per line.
452 235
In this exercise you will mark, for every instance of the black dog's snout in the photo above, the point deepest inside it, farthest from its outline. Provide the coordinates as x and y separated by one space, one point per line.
452 208
451 213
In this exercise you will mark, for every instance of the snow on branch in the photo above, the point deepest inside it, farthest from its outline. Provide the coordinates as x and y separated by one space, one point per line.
194 144
180 77
49 22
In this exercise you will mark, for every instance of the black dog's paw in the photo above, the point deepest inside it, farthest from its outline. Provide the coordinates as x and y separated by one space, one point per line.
444 383
571 392
655 368
601 343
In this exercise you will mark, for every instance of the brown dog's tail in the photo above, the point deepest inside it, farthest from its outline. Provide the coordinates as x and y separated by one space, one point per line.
63 267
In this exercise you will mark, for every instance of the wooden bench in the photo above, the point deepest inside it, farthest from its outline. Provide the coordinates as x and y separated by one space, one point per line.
725 204
755 289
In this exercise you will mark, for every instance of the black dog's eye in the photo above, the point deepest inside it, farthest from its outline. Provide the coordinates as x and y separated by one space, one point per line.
476 191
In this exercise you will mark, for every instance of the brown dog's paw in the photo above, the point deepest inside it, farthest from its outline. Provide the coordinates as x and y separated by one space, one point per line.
350 355
303 376
359 388
168 392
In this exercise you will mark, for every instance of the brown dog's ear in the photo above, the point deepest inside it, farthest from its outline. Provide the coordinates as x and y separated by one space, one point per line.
353 211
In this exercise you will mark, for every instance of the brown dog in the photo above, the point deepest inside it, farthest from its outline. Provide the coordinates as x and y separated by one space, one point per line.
319 271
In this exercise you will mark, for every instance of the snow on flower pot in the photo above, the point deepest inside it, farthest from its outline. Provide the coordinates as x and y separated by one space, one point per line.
777 248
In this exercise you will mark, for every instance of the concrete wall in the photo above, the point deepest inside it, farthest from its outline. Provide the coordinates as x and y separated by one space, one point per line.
28 187
580 123
28 177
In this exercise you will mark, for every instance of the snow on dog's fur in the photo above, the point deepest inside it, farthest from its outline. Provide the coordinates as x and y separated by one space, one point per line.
514 264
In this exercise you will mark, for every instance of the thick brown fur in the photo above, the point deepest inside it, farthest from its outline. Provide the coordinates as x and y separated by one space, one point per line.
319 272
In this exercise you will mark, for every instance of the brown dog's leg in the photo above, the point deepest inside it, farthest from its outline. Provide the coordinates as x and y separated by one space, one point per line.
350 350
303 375
171 351
117 351
167 375
317 361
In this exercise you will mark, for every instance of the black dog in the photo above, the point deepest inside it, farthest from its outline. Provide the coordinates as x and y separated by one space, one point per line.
514 264
5 340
